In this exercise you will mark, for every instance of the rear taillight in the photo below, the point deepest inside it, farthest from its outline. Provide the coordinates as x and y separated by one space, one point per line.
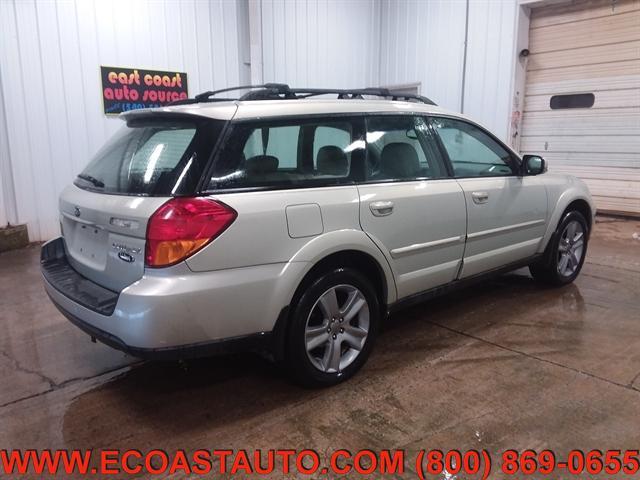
182 226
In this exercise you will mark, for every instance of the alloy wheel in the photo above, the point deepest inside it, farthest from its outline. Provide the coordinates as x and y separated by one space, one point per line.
337 328
570 248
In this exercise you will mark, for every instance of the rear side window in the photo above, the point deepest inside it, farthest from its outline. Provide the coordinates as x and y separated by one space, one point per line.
326 135
279 142
295 153
152 158
401 148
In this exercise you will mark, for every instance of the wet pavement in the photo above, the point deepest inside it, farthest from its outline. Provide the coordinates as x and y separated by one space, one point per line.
506 364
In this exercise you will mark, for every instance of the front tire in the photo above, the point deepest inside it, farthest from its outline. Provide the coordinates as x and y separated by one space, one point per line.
333 328
565 254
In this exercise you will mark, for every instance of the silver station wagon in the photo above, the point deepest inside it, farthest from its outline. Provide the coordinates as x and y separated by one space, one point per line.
294 220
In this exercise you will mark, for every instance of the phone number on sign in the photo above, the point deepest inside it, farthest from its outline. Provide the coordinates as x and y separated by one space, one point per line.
527 462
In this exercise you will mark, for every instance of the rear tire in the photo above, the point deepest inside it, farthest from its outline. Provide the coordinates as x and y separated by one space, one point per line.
333 326
565 254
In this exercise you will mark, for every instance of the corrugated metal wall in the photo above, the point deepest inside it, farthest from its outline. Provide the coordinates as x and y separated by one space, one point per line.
7 213
357 43
320 43
50 54
423 41
490 63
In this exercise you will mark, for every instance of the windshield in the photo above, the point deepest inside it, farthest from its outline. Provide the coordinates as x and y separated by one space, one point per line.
152 157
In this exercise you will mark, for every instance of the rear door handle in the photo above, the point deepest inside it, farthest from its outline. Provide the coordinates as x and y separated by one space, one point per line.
480 197
381 209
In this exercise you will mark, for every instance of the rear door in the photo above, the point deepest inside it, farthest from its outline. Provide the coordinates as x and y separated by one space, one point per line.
506 212
104 215
408 205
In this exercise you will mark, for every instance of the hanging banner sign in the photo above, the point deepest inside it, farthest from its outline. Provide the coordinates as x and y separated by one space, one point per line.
125 89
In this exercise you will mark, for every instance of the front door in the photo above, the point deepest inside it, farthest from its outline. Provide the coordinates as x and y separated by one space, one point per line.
409 206
506 213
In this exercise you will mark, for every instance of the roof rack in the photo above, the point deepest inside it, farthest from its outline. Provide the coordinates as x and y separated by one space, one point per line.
281 91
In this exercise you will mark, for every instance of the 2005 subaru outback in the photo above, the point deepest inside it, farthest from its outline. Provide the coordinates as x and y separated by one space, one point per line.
289 220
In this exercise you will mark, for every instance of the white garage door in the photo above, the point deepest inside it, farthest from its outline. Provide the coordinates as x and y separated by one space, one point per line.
582 103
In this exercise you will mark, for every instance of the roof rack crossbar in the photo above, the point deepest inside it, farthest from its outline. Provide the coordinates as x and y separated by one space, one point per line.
274 91
359 92
270 86
274 88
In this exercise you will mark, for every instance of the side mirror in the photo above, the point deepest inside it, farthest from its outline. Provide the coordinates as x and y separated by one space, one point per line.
533 165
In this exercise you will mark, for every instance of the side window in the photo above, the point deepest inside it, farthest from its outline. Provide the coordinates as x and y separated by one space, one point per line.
292 153
401 148
472 152
330 136
280 142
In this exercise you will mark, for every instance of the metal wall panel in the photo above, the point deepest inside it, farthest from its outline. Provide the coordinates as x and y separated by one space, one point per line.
320 43
50 54
423 41
358 43
7 198
491 60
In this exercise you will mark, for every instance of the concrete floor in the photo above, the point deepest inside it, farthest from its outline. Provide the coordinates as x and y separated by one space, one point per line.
504 365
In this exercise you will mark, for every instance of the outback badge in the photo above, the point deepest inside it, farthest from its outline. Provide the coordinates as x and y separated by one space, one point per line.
125 252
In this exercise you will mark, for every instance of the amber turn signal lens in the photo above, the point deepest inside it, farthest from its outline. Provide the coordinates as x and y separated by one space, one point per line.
183 226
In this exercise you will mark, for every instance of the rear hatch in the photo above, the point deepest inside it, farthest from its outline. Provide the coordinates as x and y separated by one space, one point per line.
104 214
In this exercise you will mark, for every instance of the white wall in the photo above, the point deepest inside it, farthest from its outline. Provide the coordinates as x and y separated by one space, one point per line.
491 58
320 43
360 43
423 41
50 54
7 197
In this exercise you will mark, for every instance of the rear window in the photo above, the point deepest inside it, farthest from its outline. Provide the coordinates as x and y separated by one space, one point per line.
152 157
297 153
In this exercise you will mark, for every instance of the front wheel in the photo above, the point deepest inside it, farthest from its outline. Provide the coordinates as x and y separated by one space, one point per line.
333 328
565 254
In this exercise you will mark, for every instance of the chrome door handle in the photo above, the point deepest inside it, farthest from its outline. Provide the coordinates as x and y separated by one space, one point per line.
480 197
381 209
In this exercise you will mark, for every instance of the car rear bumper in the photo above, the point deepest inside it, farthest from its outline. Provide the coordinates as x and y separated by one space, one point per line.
259 341
174 312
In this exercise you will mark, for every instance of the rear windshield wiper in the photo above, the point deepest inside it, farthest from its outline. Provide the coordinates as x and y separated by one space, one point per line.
89 178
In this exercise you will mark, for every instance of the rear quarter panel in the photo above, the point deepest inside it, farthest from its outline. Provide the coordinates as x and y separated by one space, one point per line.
260 233
263 234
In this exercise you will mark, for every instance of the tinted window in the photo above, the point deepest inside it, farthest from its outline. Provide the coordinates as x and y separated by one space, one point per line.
279 142
576 100
401 148
152 158
304 153
472 152
328 135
